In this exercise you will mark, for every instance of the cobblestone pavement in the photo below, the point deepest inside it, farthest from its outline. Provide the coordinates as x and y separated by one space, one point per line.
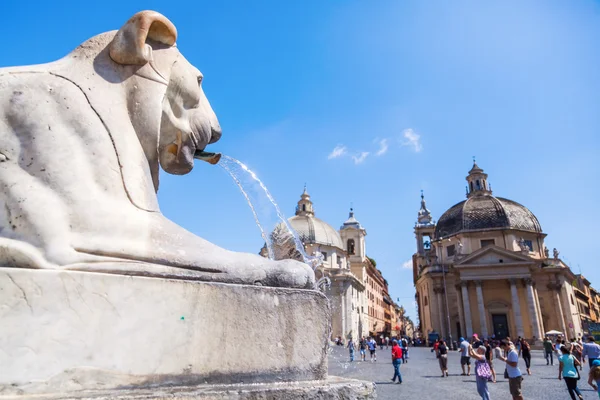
422 377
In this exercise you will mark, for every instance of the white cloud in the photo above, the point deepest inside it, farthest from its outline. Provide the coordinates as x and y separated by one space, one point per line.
407 264
360 158
383 147
412 139
338 151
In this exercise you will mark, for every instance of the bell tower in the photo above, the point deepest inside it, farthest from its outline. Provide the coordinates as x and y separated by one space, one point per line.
353 237
424 229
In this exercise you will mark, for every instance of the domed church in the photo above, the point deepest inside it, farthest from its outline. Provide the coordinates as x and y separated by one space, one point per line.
344 262
484 268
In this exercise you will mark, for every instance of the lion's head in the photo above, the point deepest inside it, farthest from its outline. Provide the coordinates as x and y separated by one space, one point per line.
167 106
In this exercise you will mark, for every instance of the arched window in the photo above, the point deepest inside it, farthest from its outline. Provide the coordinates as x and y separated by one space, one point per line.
478 184
350 246
471 186
303 207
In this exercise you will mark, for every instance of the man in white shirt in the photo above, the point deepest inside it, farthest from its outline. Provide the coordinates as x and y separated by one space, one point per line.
512 368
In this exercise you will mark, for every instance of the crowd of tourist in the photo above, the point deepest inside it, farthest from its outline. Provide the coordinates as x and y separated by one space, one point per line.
570 355
399 351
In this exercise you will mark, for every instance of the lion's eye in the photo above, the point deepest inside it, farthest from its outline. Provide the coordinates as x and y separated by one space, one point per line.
200 80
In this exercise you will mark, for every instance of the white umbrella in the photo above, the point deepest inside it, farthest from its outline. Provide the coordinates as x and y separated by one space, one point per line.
553 333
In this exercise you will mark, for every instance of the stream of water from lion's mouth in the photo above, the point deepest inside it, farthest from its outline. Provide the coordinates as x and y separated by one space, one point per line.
267 214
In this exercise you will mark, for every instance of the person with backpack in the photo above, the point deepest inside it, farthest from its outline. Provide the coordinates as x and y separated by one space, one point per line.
483 373
525 352
362 346
404 346
372 349
567 369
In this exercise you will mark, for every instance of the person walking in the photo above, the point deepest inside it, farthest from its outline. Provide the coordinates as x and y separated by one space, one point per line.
489 357
362 346
442 355
594 376
396 361
567 370
372 348
351 348
591 350
464 356
404 346
515 377
483 372
525 352
548 351
577 352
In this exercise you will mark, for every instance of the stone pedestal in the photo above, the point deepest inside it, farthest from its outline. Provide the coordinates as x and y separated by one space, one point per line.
69 333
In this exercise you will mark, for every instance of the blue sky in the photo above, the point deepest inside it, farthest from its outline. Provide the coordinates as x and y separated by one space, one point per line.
408 90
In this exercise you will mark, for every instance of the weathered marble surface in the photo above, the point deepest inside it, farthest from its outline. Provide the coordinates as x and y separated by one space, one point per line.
82 140
333 388
63 332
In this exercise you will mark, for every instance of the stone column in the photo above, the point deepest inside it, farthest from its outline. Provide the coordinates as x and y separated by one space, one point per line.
539 309
461 317
516 305
481 308
567 311
467 309
559 309
343 309
440 304
533 312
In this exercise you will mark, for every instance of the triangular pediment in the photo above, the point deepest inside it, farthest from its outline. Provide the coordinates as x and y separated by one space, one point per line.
490 255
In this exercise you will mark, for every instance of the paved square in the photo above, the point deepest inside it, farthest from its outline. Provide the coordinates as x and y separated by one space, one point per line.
422 377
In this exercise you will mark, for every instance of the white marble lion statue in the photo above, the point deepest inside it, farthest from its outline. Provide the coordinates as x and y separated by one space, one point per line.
81 143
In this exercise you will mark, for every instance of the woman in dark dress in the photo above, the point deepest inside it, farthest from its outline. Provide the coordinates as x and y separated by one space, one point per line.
442 354
525 351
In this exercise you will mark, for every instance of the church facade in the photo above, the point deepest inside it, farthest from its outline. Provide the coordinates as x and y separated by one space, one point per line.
357 293
484 268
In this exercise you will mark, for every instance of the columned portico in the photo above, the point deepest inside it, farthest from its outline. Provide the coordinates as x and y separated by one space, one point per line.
467 309
516 306
533 312
481 308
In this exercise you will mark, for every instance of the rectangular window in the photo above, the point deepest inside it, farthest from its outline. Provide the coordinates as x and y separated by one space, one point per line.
529 244
324 256
487 242
450 250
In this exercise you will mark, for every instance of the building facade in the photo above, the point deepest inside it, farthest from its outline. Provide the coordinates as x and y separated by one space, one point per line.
358 293
484 268
346 291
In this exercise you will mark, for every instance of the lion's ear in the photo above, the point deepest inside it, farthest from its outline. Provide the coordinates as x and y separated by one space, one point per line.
129 44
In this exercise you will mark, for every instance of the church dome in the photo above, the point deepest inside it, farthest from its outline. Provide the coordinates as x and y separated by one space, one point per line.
482 211
311 229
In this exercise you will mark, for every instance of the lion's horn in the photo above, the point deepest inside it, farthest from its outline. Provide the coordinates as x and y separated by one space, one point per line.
129 44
